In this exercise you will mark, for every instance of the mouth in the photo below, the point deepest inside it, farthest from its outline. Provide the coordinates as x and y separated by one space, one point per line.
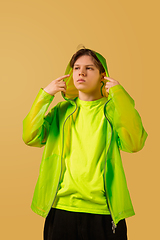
81 80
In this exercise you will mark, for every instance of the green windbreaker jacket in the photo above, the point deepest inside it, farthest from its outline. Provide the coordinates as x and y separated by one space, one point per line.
124 132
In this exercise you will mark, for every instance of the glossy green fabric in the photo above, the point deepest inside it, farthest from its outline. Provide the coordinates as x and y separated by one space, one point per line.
81 188
124 132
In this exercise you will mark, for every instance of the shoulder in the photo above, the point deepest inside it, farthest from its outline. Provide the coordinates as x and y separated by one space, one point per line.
64 107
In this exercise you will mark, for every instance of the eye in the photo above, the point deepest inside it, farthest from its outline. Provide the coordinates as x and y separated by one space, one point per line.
75 68
89 68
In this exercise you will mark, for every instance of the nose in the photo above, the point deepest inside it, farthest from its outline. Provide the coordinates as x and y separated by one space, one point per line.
82 73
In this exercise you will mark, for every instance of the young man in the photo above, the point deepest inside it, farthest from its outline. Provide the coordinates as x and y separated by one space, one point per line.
81 189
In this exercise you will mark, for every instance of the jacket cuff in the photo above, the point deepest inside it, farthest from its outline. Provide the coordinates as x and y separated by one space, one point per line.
114 89
45 95
119 94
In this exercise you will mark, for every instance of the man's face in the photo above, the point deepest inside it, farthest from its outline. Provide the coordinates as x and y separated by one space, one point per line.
86 75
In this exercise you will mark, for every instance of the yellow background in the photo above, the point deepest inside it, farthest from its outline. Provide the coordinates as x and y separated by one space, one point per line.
37 39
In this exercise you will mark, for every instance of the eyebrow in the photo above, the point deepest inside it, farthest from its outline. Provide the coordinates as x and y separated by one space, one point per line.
85 65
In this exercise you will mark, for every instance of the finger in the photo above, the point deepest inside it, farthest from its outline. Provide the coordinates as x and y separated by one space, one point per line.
107 89
62 89
108 84
61 78
61 84
109 79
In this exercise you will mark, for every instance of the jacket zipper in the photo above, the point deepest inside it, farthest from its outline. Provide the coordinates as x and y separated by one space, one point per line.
113 224
61 156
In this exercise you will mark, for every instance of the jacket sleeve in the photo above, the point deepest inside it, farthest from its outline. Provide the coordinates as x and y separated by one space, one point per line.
36 125
127 121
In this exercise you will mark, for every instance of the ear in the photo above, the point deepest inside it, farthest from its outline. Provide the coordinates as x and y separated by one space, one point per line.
103 75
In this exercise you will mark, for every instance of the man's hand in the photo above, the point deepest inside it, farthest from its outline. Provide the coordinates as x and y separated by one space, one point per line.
111 83
56 85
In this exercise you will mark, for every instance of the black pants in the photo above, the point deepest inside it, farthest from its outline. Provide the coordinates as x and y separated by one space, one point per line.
65 225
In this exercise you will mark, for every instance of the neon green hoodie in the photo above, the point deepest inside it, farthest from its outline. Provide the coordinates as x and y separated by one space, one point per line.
124 132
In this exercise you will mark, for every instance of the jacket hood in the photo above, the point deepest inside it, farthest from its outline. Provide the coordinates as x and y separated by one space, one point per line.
71 91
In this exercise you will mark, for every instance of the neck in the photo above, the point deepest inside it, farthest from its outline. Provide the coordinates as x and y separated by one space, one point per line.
89 96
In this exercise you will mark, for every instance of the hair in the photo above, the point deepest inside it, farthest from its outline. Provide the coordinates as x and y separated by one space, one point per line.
88 52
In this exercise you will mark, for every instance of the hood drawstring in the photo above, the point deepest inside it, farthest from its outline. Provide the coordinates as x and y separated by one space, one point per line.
102 88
